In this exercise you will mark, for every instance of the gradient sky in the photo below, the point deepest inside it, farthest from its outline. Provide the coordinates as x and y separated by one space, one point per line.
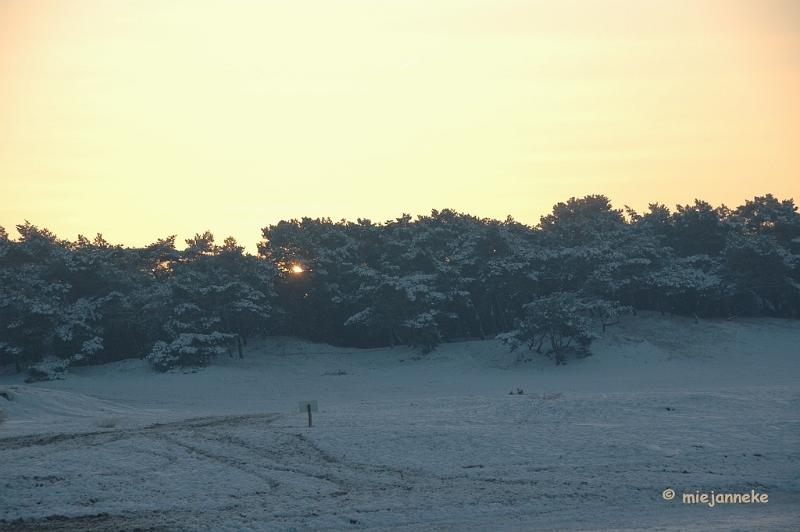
147 118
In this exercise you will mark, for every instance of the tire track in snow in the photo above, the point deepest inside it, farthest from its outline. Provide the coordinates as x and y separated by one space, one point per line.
110 435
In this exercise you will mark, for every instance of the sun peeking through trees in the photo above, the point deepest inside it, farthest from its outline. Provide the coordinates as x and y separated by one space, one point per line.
418 282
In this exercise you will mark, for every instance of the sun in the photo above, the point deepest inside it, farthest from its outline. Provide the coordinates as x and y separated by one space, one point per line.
297 269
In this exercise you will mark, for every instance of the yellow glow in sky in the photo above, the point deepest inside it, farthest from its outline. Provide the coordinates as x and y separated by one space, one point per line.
142 119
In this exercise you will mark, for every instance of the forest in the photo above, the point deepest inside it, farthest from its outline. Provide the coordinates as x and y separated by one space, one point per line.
410 281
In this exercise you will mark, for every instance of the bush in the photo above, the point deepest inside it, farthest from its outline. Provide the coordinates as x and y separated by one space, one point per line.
189 350
560 319
50 368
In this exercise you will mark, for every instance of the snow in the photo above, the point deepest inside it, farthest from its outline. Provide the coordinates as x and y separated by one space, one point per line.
404 441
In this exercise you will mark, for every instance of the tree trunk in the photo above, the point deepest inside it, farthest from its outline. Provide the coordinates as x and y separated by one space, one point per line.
364 336
397 336
502 314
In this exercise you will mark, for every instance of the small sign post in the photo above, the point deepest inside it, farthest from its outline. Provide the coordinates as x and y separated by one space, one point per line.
308 406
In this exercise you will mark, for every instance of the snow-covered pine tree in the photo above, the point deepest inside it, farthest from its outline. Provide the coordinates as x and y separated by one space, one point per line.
558 319
756 272
218 296
45 316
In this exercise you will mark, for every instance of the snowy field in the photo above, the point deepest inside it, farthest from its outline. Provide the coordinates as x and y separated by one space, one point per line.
406 442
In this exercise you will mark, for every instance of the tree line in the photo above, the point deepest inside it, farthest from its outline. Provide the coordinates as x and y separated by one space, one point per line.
411 281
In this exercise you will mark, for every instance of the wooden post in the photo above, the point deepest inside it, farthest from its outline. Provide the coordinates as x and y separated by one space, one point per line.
308 407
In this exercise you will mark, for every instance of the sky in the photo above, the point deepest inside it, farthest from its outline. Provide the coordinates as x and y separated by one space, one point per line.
149 118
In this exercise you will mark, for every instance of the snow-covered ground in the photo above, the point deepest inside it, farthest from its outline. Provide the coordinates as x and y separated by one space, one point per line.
409 442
